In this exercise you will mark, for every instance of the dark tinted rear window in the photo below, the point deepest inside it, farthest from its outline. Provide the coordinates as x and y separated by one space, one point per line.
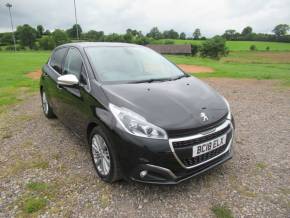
57 58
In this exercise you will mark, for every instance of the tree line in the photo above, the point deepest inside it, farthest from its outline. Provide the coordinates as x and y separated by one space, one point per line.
39 38
279 34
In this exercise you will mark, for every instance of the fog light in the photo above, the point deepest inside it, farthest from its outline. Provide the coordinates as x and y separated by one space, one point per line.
143 173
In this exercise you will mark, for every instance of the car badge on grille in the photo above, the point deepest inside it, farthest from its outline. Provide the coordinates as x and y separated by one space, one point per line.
203 117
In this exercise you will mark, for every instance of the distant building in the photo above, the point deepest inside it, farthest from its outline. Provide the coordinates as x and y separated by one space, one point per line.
171 49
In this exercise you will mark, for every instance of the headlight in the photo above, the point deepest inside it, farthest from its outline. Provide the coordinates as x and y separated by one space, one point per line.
229 116
135 124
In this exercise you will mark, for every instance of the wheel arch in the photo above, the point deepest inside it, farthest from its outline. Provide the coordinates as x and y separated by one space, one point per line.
101 118
90 128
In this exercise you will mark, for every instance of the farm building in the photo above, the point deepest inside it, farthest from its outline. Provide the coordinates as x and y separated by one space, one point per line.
171 49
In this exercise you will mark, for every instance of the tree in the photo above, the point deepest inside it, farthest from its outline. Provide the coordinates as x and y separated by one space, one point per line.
114 37
170 34
72 32
95 36
166 34
60 37
47 32
196 34
135 36
247 31
155 33
40 30
143 40
247 34
6 39
173 34
26 35
134 33
182 35
230 34
194 49
47 43
281 30
128 37
214 48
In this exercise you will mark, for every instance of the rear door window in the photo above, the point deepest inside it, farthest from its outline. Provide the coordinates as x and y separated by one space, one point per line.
57 59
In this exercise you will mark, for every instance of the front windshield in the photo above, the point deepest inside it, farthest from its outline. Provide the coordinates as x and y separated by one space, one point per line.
130 64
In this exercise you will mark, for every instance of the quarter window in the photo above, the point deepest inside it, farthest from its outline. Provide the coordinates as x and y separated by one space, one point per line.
57 58
73 63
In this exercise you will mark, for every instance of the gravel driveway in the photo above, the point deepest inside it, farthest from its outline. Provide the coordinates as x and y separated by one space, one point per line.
255 183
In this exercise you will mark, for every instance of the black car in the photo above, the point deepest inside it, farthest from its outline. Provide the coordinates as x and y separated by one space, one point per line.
144 118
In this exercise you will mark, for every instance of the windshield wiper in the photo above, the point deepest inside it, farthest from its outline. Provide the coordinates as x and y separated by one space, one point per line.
179 77
151 80
159 79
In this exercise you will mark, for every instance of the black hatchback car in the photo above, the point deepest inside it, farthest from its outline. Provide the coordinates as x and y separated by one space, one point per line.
144 118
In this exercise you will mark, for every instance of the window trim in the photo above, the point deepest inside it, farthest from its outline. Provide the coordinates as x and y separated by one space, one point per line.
88 86
62 62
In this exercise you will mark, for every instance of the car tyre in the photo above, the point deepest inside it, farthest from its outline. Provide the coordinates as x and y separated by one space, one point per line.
47 109
104 155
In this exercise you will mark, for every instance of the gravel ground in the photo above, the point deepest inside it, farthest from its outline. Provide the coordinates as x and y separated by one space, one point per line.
255 183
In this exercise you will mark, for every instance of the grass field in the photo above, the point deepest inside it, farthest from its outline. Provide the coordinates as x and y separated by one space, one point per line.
236 45
14 83
257 65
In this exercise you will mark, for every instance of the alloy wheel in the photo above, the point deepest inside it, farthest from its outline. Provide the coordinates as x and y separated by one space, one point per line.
101 155
44 103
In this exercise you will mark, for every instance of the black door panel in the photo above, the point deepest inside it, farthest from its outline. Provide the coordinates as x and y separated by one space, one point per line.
73 109
74 91
71 99
53 70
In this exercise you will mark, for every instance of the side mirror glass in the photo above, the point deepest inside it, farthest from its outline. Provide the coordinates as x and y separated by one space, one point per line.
67 80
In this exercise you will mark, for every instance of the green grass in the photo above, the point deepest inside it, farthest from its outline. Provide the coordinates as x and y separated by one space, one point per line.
34 204
22 165
261 165
36 198
236 45
241 65
222 212
15 85
13 67
37 186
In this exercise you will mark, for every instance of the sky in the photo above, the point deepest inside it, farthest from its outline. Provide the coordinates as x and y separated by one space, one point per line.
211 16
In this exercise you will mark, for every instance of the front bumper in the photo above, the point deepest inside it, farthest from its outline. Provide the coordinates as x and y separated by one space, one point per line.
158 162
169 178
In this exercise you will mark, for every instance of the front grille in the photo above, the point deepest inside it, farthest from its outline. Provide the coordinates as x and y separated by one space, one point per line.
204 157
192 142
183 148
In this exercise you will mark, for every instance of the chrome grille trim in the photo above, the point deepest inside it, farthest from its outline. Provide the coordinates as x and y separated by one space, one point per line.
199 135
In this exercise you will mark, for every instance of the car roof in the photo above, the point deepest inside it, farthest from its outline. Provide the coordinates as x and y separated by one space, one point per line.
100 44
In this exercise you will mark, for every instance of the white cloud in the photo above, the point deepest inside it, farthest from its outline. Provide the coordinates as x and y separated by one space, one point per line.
212 17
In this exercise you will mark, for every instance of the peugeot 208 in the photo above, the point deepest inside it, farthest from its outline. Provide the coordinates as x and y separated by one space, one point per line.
144 118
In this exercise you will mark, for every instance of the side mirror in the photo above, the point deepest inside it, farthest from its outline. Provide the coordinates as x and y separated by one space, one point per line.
67 80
